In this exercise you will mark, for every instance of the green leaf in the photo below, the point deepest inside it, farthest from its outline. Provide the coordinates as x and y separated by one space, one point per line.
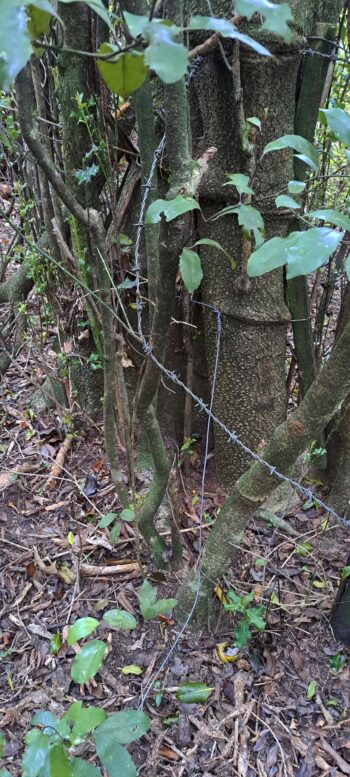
227 30
331 215
347 266
60 764
85 175
255 616
283 201
242 634
170 208
303 252
5 773
116 760
132 669
84 719
345 573
114 533
40 13
127 515
36 755
82 768
120 619
149 605
135 23
95 5
234 602
106 520
125 72
306 152
15 48
296 187
255 121
207 241
193 693
311 690
81 628
190 269
88 661
164 55
240 181
276 17
251 218
122 727
339 122
2 744
47 720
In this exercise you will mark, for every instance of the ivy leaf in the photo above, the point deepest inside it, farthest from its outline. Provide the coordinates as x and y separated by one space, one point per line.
81 628
84 176
149 605
82 768
120 619
255 616
339 122
193 693
331 215
276 17
306 152
121 727
296 187
303 252
284 201
95 5
170 208
242 634
125 72
88 661
240 181
227 30
190 269
164 55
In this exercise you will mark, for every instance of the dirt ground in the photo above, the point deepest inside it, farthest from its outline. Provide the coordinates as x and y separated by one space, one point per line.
282 708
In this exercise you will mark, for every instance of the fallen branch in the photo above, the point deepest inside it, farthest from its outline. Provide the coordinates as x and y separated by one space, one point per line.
58 465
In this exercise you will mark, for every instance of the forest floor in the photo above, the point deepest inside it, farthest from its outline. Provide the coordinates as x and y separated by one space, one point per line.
282 708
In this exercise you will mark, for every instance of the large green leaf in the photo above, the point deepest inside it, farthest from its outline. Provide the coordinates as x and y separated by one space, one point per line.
95 5
88 661
15 48
190 269
36 755
296 187
120 619
127 515
227 30
136 23
81 628
250 218
339 122
122 727
124 73
303 252
116 760
276 16
60 764
284 201
40 13
331 215
240 181
164 55
193 693
82 768
170 208
149 605
306 152
84 720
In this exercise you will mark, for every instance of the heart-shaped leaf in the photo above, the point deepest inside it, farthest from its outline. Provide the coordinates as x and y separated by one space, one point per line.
123 73
170 208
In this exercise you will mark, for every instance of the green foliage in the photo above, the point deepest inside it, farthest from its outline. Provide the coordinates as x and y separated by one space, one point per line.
240 181
49 742
127 515
193 693
339 122
80 629
337 662
171 209
276 17
284 201
306 151
296 187
227 30
123 73
167 57
190 269
88 661
311 690
206 241
250 616
149 605
302 252
85 175
332 216
95 5
15 48
120 619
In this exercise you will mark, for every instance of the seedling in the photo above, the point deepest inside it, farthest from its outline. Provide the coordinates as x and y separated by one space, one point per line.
250 616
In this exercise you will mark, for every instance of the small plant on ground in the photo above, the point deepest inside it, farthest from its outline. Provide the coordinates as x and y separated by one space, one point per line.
249 616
